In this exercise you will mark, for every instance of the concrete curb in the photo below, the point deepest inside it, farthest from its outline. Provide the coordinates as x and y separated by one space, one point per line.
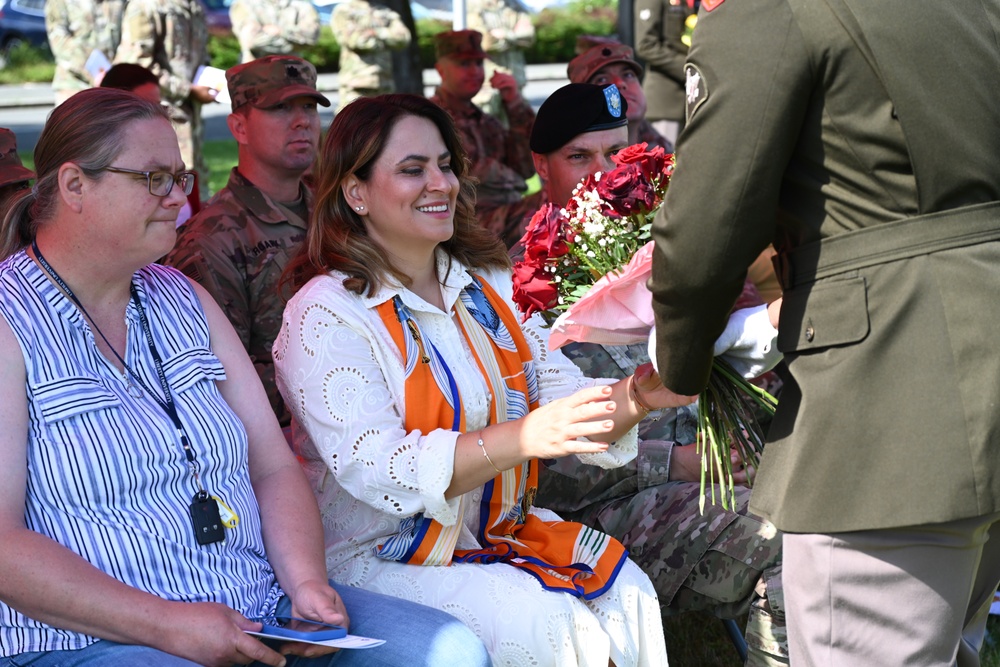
30 95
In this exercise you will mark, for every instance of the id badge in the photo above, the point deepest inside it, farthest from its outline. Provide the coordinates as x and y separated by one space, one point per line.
208 526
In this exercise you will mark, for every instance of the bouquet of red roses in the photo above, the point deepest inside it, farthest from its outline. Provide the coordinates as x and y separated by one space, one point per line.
584 269
567 250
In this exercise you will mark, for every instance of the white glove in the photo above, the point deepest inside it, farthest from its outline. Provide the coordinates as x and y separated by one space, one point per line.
749 342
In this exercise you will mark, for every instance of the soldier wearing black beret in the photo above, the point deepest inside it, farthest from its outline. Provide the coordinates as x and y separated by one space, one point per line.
870 160
580 125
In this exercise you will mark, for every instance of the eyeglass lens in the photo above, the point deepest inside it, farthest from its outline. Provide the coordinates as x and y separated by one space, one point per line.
161 182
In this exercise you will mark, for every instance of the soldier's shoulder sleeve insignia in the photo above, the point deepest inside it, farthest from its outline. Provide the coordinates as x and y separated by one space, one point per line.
695 90
709 5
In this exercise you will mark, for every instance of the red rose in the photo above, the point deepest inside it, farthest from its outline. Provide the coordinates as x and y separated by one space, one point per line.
626 190
545 235
654 163
533 290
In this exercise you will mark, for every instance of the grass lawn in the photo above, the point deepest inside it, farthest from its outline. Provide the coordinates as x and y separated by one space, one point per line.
221 158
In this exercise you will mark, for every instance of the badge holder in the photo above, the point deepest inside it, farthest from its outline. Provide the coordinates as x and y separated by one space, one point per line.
208 526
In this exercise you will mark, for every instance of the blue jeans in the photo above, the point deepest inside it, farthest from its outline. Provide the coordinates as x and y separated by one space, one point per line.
416 636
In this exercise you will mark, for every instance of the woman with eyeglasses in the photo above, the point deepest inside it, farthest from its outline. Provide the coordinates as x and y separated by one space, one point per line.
150 508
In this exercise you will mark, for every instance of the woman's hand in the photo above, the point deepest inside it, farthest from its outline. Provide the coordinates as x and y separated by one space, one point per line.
551 431
212 634
653 394
316 601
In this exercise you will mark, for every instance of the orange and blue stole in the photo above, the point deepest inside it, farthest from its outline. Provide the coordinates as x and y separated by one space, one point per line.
562 555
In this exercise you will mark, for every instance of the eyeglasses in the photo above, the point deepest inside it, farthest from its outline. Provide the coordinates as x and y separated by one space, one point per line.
161 183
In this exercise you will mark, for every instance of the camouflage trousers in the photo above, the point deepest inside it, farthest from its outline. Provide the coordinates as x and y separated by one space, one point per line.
723 563
190 131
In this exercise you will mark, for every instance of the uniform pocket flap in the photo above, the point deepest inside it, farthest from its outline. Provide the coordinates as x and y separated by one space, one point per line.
187 368
74 395
823 315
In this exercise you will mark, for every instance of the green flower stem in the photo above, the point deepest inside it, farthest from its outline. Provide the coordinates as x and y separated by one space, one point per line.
727 420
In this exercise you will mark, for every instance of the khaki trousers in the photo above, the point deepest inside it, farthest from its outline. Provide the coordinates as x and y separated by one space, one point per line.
917 595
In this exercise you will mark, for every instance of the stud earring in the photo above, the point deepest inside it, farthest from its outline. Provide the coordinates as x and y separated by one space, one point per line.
359 208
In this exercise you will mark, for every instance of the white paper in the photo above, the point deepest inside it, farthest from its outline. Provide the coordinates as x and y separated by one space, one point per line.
214 78
97 63
348 641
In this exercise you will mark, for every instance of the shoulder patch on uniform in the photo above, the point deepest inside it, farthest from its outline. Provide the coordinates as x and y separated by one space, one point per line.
613 99
709 5
695 89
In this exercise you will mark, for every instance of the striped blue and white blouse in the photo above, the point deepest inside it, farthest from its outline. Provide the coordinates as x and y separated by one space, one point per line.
106 475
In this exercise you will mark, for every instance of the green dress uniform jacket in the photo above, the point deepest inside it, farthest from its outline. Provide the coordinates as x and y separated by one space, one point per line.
829 127
659 27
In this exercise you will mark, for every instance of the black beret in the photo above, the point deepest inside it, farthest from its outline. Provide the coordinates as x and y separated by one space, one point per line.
574 109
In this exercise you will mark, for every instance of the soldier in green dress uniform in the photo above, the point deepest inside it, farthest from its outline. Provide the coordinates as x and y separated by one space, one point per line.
830 128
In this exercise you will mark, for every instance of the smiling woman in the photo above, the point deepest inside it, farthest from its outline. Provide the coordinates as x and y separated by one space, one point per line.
425 404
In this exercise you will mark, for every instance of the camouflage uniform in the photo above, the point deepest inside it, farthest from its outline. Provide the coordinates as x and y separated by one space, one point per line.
75 29
500 158
170 39
297 21
367 33
726 563
236 248
506 33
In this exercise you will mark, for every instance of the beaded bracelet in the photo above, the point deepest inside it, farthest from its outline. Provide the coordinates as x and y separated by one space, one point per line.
482 446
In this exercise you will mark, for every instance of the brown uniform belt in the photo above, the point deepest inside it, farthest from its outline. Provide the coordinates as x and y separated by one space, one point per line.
889 242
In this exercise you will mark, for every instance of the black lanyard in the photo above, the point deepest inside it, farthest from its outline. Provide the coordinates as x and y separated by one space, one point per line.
167 403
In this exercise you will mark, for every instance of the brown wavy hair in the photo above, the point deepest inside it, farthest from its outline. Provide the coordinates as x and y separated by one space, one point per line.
337 238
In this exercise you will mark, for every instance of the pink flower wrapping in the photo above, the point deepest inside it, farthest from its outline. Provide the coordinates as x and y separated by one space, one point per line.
618 309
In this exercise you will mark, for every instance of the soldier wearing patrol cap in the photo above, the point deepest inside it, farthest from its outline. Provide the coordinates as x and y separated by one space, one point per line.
237 246
14 176
612 62
724 562
500 157
870 161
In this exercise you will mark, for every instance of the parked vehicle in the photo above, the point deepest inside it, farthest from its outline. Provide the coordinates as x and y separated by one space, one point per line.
21 22
217 17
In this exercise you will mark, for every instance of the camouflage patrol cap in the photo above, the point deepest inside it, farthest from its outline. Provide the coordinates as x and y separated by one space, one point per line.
585 42
11 169
267 82
575 109
585 65
459 44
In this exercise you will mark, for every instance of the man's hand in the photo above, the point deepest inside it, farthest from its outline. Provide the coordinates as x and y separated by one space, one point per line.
506 85
203 94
